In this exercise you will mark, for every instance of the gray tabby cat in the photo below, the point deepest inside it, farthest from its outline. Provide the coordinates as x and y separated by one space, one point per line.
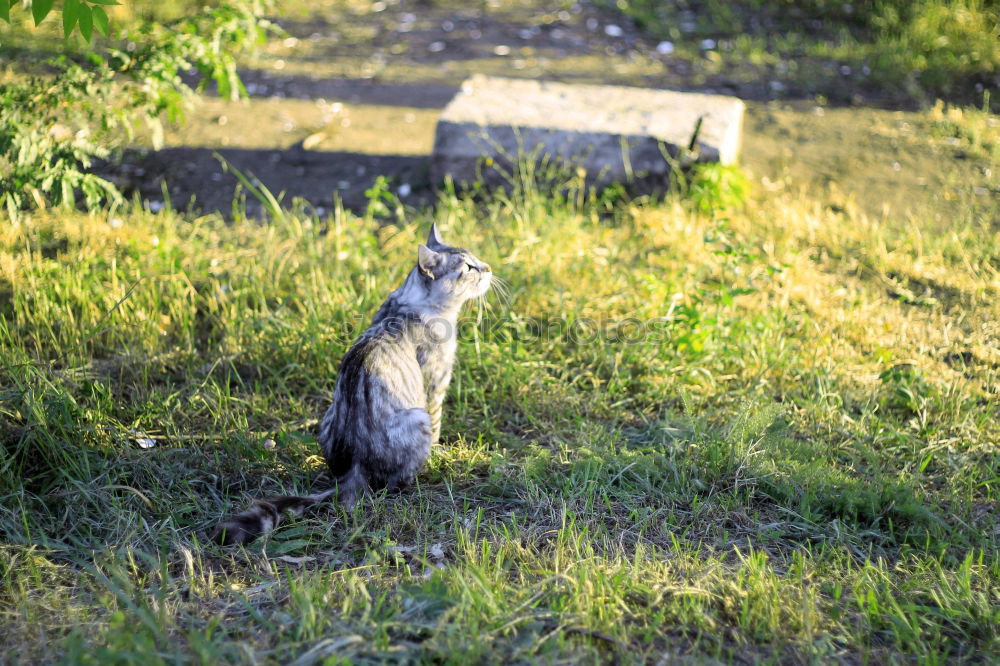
386 411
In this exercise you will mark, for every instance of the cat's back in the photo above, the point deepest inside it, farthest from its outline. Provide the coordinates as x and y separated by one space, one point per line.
379 375
381 365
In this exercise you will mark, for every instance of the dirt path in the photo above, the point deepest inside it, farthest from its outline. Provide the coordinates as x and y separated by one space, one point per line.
350 94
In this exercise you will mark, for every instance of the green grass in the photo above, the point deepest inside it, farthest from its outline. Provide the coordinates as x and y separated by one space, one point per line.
896 51
720 426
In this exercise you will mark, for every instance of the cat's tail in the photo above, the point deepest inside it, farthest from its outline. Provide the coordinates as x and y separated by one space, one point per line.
265 514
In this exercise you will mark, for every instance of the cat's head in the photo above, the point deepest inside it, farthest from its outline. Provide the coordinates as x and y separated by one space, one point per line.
450 275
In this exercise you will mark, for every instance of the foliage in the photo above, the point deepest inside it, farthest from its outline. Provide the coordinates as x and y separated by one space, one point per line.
85 15
46 140
716 187
55 125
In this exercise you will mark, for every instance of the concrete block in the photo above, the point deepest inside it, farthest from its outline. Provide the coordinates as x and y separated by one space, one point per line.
614 133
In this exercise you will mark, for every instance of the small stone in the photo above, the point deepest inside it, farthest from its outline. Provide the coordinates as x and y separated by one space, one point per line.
612 30
665 48
291 559
141 440
404 190
707 44
501 50
270 444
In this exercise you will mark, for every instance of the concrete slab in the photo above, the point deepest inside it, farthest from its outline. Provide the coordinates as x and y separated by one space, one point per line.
615 133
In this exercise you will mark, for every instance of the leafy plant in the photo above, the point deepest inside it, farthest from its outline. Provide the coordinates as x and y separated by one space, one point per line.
55 126
380 199
714 186
906 389
46 140
84 15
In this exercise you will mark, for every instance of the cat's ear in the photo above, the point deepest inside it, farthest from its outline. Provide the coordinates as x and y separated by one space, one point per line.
433 239
427 260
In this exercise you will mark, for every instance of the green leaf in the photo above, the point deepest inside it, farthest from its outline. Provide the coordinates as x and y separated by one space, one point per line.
5 10
71 11
40 9
100 20
104 2
86 22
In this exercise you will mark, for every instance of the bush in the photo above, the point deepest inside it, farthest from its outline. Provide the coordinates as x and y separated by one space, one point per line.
55 125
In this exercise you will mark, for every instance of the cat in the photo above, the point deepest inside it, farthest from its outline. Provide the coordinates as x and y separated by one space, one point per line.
386 410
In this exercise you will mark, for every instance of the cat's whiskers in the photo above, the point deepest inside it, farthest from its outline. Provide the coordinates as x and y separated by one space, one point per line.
502 289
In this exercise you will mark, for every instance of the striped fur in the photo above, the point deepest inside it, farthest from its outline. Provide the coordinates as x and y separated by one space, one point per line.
386 410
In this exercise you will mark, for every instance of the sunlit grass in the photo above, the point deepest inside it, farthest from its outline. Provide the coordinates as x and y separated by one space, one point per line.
715 426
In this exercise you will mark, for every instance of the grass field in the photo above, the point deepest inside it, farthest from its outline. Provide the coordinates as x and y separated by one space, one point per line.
750 421
735 425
